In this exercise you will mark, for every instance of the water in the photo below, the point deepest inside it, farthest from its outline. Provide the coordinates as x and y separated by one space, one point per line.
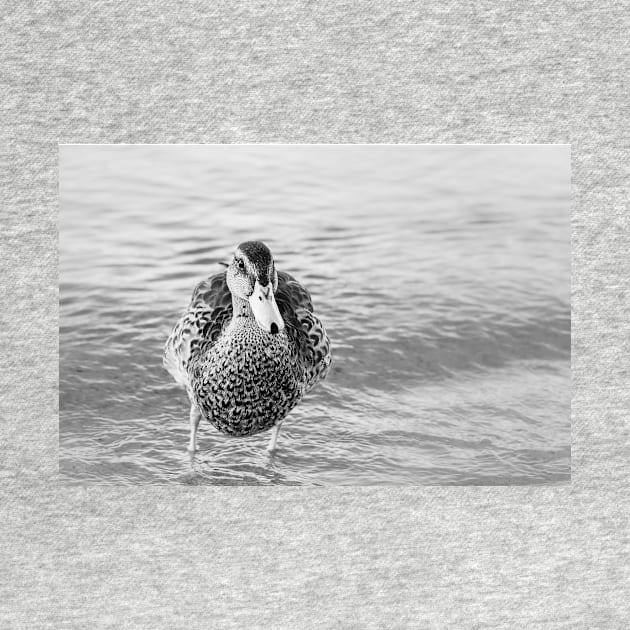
441 273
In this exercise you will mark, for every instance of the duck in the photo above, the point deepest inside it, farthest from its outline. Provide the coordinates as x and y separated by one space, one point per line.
248 347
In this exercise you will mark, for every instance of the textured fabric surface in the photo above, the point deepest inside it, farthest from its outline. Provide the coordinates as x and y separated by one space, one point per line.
153 557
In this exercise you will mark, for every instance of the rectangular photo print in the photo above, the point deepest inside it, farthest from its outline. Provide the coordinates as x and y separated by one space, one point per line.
315 314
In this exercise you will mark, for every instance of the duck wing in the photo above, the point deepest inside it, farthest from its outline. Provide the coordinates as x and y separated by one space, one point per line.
210 310
304 328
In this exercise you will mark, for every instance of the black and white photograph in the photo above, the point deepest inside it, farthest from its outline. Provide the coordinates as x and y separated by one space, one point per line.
317 315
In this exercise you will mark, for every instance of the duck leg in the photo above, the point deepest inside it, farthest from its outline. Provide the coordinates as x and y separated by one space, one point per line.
274 437
195 417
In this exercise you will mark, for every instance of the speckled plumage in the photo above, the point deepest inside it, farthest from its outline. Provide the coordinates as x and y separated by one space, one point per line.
242 378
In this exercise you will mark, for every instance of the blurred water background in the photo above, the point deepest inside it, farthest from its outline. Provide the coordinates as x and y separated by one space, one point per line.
442 274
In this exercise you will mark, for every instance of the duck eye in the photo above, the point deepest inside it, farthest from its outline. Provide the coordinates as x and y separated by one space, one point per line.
240 264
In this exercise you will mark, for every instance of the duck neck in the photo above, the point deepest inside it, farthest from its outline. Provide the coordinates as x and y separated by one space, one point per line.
244 322
241 310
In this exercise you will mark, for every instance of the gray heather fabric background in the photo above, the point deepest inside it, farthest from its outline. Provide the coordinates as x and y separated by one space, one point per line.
199 557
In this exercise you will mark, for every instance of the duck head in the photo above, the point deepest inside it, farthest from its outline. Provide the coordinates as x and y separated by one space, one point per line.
252 276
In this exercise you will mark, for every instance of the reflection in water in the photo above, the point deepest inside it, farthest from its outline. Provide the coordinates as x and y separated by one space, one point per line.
441 274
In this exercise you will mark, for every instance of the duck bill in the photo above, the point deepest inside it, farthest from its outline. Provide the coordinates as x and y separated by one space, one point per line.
265 309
